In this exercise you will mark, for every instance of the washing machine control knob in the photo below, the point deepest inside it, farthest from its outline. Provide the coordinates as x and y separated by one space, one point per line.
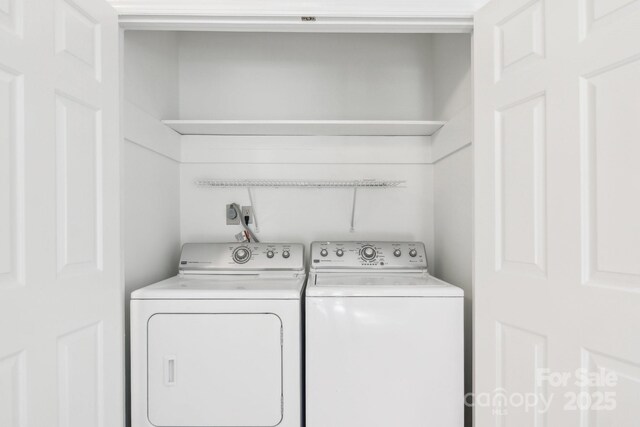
270 254
285 254
339 252
324 252
368 253
241 255
397 252
413 253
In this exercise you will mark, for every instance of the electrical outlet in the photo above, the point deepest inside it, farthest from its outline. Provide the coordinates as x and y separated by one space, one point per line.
247 211
234 219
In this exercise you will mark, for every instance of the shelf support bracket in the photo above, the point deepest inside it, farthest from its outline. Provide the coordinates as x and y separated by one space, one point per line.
255 215
353 210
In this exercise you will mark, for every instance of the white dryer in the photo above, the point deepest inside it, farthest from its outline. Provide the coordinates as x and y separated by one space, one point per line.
384 339
220 344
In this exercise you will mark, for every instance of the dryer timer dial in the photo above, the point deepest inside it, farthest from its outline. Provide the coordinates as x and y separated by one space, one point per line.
241 255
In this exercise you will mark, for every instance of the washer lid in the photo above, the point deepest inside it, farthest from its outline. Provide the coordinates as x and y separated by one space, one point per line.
379 285
233 286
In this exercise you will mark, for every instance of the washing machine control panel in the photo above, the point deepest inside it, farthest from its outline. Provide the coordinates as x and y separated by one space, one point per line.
200 258
374 255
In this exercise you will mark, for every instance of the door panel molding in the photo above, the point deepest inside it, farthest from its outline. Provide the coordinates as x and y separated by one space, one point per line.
610 176
13 393
12 263
520 39
81 377
522 355
79 186
520 211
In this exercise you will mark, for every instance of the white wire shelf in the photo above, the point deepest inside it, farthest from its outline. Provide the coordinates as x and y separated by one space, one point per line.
283 183
364 183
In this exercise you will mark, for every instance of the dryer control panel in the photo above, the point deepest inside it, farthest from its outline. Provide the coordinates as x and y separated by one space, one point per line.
203 258
368 255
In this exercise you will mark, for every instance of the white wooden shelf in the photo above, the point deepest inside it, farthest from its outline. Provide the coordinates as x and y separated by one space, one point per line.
305 127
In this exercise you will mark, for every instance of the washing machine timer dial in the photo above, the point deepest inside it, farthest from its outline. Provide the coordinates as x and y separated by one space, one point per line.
368 253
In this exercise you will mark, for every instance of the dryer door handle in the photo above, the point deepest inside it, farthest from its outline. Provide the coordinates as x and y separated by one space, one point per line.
170 370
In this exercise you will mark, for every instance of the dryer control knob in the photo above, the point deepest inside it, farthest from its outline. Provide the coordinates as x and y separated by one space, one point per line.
241 255
339 252
269 254
413 253
285 254
324 252
397 252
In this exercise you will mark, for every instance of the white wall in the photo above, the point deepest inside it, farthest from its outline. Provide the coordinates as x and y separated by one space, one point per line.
452 74
151 72
151 183
305 215
305 76
285 7
453 184
453 175
326 76
152 214
151 178
453 214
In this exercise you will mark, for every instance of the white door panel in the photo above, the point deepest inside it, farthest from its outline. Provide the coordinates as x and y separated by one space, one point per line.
557 280
226 367
61 302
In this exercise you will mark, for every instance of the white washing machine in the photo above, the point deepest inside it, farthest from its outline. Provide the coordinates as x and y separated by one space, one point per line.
384 339
220 344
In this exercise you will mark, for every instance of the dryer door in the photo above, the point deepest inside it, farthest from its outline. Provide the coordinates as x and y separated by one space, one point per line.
215 369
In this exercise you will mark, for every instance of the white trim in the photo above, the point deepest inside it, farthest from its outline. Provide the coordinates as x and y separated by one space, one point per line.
142 129
306 149
454 136
135 19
